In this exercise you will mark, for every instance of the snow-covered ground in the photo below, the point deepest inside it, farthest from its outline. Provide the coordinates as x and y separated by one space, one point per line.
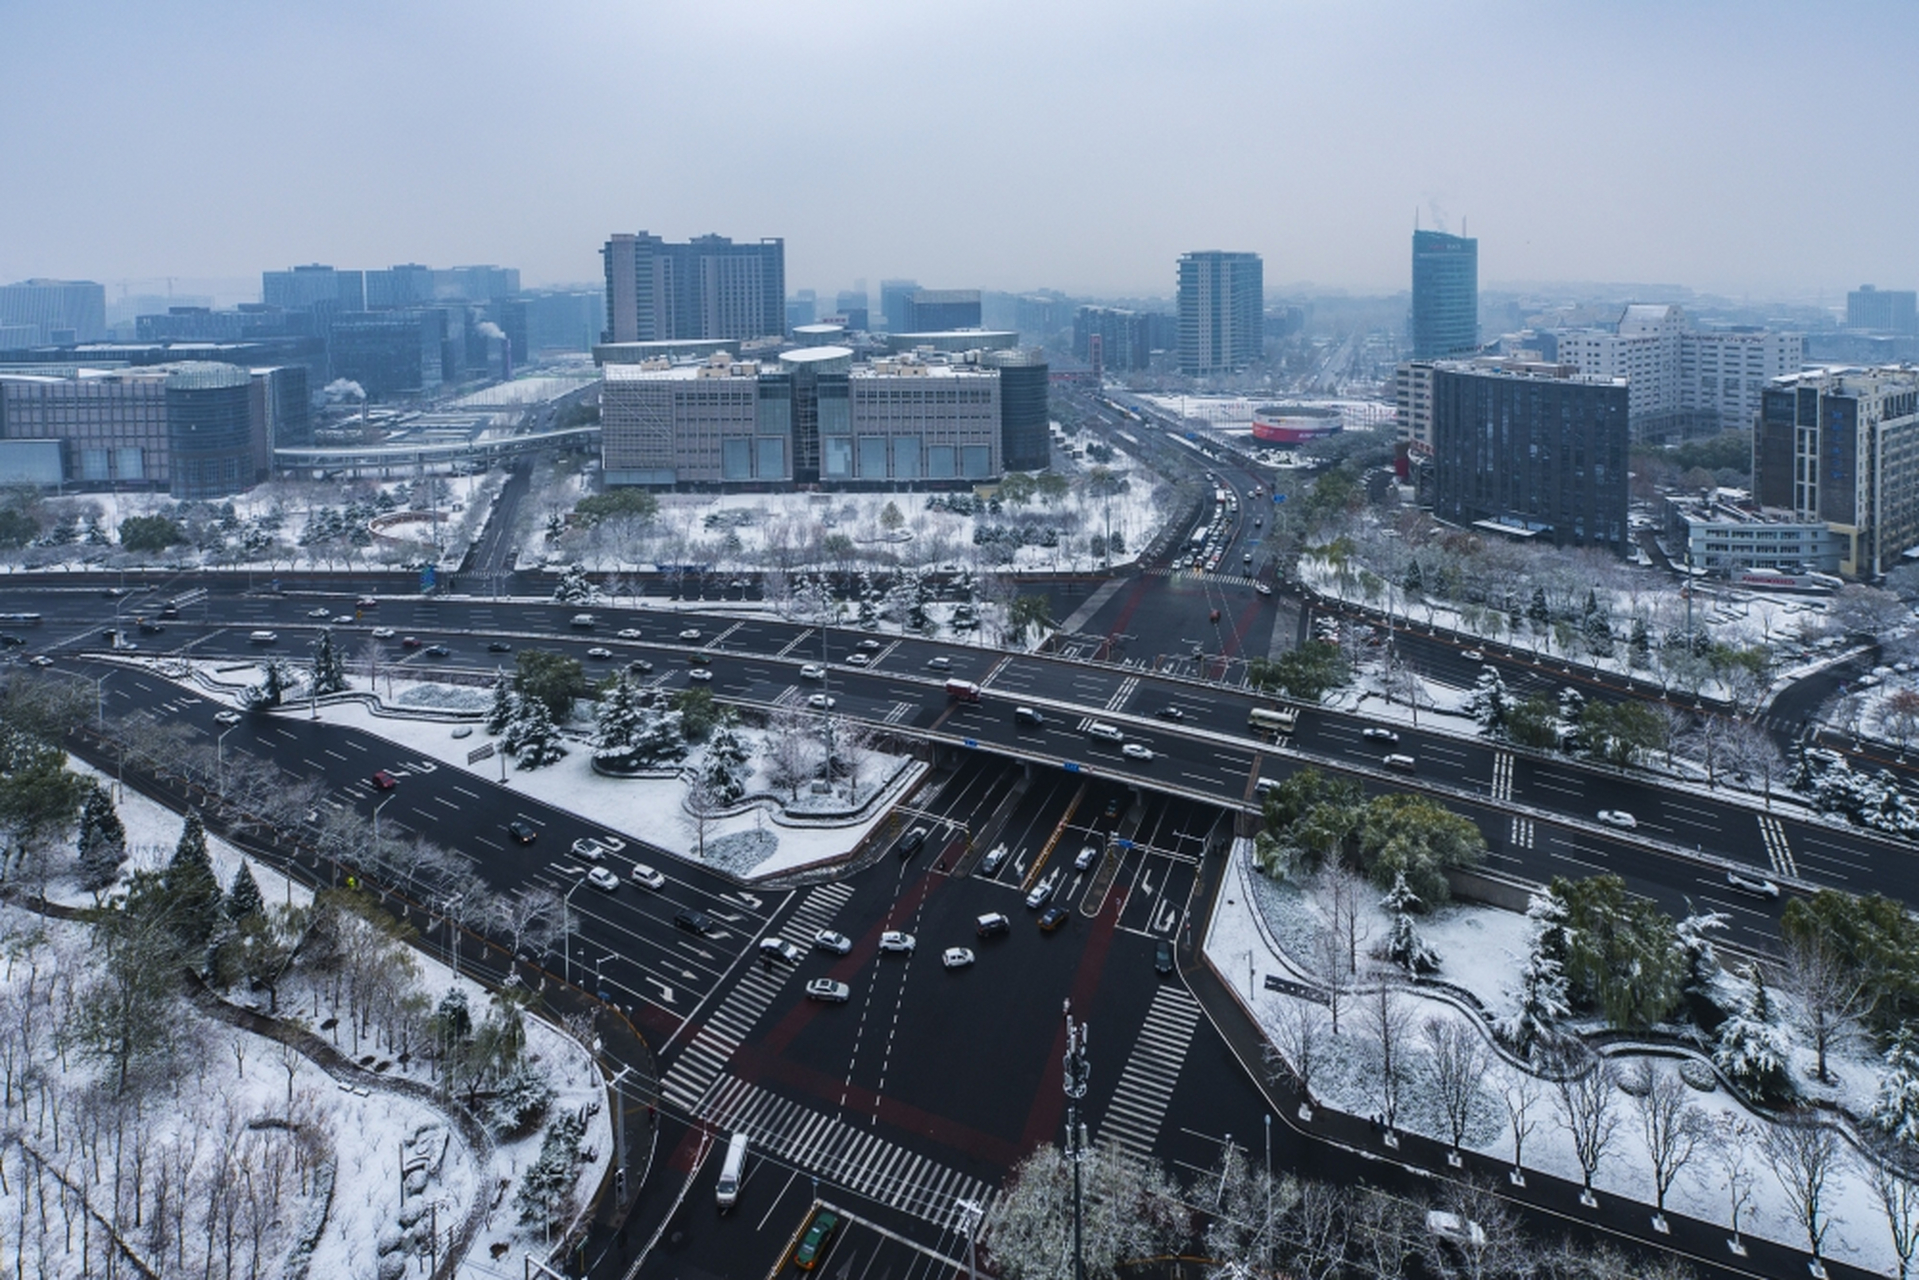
731 533
783 836
1260 925
241 1080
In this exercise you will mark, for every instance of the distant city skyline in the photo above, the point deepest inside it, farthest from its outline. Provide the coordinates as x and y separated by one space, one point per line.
1632 141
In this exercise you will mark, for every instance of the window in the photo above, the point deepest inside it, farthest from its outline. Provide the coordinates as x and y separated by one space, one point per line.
772 459
736 459
836 458
872 457
978 461
939 462
906 458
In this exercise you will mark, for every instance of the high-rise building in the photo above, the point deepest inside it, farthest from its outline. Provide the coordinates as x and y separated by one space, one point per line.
1026 443
940 310
1221 305
1883 310
314 285
1684 381
1531 451
407 285
393 355
564 319
1121 334
56 311
851 305
896 300
1445 295
475 284
1842 445
708 287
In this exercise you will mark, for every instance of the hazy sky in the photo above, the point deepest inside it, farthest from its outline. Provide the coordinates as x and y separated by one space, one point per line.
1741 147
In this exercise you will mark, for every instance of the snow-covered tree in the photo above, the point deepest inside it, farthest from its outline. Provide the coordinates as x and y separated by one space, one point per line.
1404 946
1752 1049
504 707
660 739
102 841
1460 1059
329 668
1673 1128
1587 1102
1130 1210
534 738
574 587
726 765
1895 1112
1491 702
618 717
1805 1154
191 885
243 895
1697 955
272 689
1540 1001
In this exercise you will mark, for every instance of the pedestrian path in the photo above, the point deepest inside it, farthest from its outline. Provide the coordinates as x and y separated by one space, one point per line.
701 1062
1777 849
1146 1083
843 1154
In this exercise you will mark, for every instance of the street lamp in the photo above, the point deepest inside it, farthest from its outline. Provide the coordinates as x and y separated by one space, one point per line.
220 761
566 932
453 927
376 823
970 1216
1077 1072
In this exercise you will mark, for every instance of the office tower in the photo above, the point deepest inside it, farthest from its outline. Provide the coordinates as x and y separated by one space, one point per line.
1882 310
851 304
393 355
1841 445
563 319
1025 442
407 285
896 300
1122 337
1445 295
803 308
474 284
1221 311
708 287
1531 452
942 310
314 285
1684 381
57 312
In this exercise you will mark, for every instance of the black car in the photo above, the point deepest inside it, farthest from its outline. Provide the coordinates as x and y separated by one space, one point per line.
1051 919
521 832
694 922
912 841
1170 713
640 665
150 628
1163 958
9 640
499 646
437 651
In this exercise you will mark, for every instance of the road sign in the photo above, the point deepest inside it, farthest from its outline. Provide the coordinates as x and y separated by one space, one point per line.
969 742
479 753
1069 766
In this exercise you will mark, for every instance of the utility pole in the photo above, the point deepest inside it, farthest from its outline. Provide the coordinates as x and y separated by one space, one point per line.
1077 1073
970 1211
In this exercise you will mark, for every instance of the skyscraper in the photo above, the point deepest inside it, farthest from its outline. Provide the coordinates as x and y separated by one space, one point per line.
708 287
1221 304
1445 295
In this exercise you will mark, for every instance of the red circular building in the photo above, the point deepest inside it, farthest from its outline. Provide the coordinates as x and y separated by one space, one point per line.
1294 423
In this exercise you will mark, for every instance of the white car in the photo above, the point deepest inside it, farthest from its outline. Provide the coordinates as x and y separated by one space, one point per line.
1472 655
1088 855
1134 751
226 717
597 652
895 941
1618 818
869 644
812 671
858 660
646 877
321 612
383 633
1756 886
601 878
1376 734
939 664
590 849
1450 1226
630 633
700 674
342 619
956 957
838 943
1041 892
691 633
820 702
828 990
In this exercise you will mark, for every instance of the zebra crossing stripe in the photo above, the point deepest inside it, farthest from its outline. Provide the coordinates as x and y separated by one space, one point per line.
1778 850
1120 695
1146 1083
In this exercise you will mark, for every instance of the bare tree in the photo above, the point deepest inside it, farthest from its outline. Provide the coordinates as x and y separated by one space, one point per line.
1386 1233
1831 994
700 808
1898 1196
1804 1154
791 752
1732 1146
1391 1026
1673 1128
1521 1095
1460 1059
529 917
1313 1236
1586 1103
1299 1029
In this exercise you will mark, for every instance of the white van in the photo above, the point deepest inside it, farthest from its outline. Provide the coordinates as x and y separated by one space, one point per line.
261 637
1100 731
728 1191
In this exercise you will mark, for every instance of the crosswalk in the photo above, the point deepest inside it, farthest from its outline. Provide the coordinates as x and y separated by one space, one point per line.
843 1154
1776 847
1146 1083
1120 695
1503 775
701 1062
1200 575
1521 836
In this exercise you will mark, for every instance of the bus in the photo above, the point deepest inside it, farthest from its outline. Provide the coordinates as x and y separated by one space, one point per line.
1199 537
1273 719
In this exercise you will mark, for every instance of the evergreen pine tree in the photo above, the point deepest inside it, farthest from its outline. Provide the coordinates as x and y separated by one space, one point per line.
504 706
1696 951
1404 946
574 587
1540 998
1414 581
1896 1111
725 769
329 669
1592 602
1598 634
1752 1049
660 738
617 720
535 737
1537 610
1640 644
102 842
243 895
191 885
1491 702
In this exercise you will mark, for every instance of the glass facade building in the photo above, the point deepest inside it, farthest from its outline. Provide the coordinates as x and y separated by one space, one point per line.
1221 311
1445 295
